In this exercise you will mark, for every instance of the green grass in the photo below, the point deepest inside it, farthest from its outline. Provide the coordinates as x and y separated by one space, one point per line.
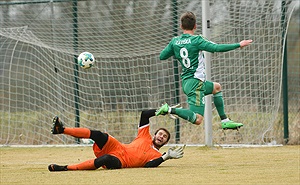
200 165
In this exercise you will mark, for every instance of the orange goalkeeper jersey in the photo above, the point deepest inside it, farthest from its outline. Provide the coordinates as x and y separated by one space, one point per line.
136 154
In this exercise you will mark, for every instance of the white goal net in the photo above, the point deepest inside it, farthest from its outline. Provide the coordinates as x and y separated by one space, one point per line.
39 76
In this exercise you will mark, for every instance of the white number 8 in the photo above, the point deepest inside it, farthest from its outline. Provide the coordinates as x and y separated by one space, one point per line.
184 55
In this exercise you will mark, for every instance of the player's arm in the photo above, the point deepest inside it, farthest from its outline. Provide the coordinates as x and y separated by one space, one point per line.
172 153
228 47
206 45
145 116
167 52
154 163
213 47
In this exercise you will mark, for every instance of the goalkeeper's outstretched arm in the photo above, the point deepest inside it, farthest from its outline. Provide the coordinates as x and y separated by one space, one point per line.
145 116
154 163
172 153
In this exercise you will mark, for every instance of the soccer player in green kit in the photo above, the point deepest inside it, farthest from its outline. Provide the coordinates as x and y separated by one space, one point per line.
188 50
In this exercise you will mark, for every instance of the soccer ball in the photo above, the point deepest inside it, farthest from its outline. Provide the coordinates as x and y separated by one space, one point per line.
86 60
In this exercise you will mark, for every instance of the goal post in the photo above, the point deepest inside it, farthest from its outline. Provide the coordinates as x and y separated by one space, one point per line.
39 78
208 100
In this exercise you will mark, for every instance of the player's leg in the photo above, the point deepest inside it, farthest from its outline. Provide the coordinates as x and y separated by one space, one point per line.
107 161
196 102
215 89
86 165
99 137
191 88
58 128
180 112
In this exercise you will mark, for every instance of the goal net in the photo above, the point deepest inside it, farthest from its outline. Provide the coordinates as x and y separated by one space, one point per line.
40 78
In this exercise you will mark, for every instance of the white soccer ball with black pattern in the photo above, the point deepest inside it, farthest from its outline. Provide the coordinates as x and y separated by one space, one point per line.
86 60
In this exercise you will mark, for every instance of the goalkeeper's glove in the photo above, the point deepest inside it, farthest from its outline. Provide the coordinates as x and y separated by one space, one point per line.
173 116
173 153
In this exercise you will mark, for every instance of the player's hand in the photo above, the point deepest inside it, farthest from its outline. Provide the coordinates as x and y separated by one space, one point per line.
244 43
174 153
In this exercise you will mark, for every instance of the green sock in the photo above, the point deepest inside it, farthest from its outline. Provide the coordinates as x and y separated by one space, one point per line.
185 114
219 103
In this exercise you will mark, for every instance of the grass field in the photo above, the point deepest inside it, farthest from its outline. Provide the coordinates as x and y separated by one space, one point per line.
200 165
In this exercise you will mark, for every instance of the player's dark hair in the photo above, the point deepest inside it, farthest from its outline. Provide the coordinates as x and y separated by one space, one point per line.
169 135
188 21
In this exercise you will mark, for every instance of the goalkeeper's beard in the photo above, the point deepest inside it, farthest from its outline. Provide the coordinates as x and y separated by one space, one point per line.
156 144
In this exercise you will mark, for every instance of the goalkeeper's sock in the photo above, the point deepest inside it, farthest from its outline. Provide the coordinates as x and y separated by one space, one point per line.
86 165
185 114
219 103
78 132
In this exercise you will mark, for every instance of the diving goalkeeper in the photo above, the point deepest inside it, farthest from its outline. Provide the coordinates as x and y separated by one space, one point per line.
143 151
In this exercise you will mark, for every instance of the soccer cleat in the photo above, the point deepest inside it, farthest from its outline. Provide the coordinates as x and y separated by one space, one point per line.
163 110
231 125
55 167
58 126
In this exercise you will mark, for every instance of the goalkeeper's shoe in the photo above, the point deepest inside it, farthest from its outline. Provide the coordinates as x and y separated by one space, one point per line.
231 125
58 126
55 167
163 110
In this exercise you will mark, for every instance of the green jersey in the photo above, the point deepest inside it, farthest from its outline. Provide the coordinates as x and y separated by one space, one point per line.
188 50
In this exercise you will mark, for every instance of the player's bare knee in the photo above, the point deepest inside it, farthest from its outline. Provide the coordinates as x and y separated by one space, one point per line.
217 88
199 119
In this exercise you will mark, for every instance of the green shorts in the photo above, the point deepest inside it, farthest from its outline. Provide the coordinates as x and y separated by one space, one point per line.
196 90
